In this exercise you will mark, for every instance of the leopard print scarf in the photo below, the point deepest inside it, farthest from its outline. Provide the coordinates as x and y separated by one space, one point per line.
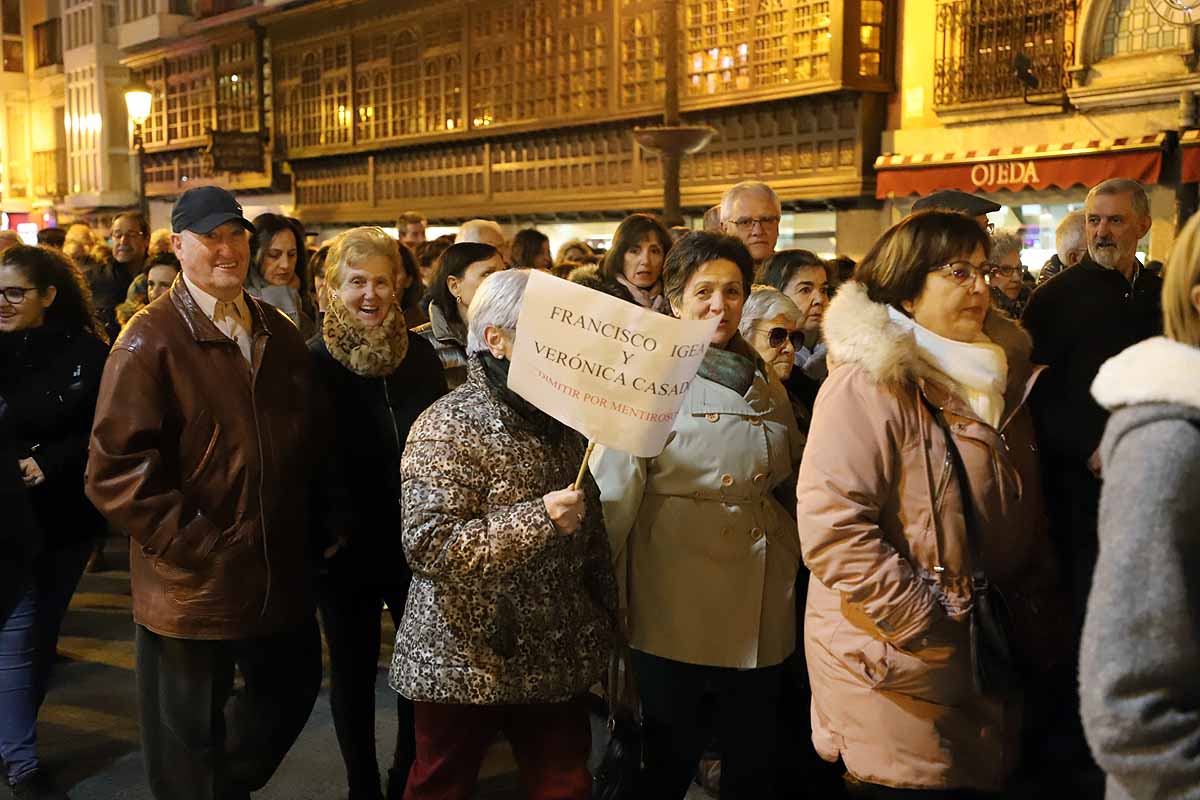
369 352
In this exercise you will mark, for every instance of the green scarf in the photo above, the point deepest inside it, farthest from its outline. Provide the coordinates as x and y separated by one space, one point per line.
732 366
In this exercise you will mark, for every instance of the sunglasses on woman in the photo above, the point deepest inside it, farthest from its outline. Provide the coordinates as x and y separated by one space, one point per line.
777 336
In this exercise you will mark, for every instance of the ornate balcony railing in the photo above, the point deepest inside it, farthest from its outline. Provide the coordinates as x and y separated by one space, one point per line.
978 40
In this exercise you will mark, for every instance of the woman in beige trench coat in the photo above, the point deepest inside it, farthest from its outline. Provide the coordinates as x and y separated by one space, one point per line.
706 557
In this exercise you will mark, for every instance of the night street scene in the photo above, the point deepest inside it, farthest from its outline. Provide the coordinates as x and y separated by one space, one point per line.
614 399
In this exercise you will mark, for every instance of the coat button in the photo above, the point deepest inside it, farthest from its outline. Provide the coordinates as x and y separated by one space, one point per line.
727 479
712 417
760 478
756 533
755 420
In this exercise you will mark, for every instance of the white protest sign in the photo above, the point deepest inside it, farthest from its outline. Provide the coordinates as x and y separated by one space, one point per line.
611 370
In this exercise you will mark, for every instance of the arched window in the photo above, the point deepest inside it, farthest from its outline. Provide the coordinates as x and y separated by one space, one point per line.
1131 26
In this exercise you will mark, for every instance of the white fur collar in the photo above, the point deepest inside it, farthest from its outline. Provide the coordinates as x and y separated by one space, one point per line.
860 331
1158 370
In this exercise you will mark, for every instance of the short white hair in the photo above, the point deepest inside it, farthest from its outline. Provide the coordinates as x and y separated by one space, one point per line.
767 302
472 231
1005 242
747 187
1071 234
496 304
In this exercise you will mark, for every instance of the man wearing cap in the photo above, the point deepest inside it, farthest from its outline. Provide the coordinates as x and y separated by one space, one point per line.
964 203
197 452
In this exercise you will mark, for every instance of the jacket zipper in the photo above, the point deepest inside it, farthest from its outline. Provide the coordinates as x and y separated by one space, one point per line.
387 398
253 374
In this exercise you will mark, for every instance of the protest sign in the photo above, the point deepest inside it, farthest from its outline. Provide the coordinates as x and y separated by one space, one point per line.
611 370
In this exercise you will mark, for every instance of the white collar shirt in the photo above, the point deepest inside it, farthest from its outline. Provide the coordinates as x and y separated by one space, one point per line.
233 321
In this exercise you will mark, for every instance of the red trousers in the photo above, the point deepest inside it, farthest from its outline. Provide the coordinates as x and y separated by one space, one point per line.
551 742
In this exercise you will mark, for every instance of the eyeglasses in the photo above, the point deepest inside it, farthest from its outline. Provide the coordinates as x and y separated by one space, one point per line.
1005 272
777 336
746 224
964 273
15 295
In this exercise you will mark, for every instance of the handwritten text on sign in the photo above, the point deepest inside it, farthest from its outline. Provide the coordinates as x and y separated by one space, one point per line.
607 368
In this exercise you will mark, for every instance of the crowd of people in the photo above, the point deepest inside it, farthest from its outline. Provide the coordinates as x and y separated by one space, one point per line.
887 548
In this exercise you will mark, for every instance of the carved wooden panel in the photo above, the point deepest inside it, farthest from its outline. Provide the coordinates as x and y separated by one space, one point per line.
813 142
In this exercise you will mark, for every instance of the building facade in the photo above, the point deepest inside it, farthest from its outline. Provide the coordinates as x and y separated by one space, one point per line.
525 110
1115 96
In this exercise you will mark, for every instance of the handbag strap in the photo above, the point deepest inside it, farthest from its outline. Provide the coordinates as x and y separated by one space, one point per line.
970 515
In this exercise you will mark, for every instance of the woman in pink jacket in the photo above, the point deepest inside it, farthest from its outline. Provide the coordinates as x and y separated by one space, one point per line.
881 515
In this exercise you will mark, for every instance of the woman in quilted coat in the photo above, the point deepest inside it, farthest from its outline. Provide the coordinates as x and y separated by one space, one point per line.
511 612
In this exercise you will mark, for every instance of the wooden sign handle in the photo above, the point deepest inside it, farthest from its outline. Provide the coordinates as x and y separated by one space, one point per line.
583 467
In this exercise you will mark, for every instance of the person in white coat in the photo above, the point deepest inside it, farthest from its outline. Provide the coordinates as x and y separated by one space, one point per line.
706 556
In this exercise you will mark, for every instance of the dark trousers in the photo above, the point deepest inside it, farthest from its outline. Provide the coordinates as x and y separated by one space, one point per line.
871 791
551 743
202 741
675 733
350 615
28 639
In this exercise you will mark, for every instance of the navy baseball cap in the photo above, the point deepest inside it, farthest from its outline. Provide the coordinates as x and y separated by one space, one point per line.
205 208
953 200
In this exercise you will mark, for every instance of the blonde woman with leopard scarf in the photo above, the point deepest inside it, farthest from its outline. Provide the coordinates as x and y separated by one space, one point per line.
371 381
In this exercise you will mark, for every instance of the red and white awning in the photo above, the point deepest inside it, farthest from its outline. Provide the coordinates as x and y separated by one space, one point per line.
1035 166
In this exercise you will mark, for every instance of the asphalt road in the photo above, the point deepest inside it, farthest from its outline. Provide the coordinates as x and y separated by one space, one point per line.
88 731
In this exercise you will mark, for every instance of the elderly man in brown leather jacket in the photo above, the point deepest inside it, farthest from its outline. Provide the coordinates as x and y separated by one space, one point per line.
198 454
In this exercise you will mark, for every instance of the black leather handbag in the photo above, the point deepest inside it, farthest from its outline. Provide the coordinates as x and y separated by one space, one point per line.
994 662
617 776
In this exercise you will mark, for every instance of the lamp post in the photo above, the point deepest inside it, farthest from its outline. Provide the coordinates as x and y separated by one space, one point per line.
672 140
137 103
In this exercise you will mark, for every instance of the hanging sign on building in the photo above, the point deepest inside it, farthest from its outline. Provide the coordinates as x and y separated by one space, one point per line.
1015 169
236 151
611 370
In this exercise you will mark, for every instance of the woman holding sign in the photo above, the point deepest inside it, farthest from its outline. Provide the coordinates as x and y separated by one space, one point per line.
706 556
512 609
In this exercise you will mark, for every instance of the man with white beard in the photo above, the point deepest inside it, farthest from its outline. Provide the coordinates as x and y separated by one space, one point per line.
1079 320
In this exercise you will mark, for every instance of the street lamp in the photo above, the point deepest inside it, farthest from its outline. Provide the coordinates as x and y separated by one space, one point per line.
137 103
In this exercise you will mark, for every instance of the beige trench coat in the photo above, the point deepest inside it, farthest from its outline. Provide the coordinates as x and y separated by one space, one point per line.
705 556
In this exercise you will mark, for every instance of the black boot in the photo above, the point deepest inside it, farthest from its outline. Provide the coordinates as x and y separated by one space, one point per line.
36 786
397 780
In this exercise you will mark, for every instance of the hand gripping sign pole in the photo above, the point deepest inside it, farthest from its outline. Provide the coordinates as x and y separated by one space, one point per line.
611 370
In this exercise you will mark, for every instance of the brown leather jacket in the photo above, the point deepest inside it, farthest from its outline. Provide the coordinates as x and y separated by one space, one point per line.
202 462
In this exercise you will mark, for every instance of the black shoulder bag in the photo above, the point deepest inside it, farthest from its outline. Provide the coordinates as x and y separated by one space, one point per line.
993 661
617 776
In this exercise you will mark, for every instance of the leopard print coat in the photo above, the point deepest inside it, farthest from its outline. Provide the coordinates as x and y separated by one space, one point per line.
502 608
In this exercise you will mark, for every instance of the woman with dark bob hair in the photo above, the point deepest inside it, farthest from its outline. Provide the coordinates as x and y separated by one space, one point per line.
52 353
460 271
633 267
920 477
704 554
279 269
410 288
531 250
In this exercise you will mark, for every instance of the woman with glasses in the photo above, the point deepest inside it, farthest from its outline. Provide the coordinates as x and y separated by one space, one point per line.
1009 290
928 384
706 555
774 327
52 353
808 281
